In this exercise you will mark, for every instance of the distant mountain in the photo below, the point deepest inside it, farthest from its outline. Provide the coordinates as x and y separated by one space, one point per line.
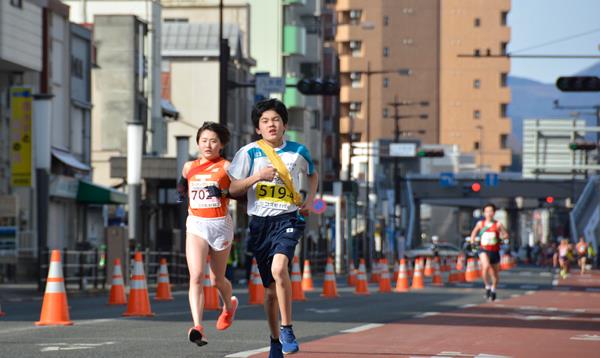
533 99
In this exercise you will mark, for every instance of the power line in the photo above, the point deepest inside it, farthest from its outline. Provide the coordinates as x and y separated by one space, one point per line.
558 40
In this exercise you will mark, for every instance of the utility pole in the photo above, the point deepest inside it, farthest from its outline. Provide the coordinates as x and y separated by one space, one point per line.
223 66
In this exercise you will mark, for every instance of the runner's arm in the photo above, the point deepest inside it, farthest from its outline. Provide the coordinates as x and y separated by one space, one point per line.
475 232
503 232
240 186
313 184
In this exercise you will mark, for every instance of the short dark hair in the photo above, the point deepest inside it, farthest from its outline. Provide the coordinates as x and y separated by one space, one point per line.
221 130
266 105
490 205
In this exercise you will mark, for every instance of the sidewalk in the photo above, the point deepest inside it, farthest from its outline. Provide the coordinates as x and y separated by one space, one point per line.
551 323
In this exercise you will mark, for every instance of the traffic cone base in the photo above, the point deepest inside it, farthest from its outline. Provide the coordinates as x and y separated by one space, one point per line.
402 282
385 285
211 295
351 275
256 290
55 309
417 282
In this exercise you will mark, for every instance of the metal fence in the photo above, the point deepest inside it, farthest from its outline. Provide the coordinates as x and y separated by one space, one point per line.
87 269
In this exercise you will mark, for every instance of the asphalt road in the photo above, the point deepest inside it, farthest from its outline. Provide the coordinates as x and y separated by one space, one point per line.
99 330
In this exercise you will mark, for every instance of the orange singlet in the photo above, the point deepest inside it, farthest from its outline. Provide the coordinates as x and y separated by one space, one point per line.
200 176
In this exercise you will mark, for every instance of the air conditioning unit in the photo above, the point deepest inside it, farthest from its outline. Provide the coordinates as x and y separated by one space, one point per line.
355 45
355 14
355 106
355 76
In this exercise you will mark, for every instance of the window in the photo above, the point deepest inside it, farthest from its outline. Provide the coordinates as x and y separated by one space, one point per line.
476 145
476 114
355 78
408 10
503 79
503 46
17 3
476 83
386 20
503 141
477 22
386 51
476 52
316 120
503 18
386 82
503 110
407 41
385 113
309 70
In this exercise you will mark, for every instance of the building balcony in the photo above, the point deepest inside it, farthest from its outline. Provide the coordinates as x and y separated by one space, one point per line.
294 40
349 32
350 63
292 98
350 94
343 5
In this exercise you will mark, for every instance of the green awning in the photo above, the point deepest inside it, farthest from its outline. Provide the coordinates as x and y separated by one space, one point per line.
91 193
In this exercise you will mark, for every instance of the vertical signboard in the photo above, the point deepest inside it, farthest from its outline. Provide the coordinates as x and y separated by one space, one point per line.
20 136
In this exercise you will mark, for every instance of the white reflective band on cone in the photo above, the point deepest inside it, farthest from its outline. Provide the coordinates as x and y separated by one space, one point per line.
138 284
163 279
138 269
163 269
118 281
55 270
55 287
329 277
117 271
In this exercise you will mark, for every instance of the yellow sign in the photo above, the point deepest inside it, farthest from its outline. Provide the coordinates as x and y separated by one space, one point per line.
20 135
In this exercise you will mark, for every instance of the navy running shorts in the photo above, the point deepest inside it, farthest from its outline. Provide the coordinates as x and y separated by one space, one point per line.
270 235
493 256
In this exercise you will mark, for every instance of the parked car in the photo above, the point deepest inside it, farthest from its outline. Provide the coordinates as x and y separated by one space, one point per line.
425 250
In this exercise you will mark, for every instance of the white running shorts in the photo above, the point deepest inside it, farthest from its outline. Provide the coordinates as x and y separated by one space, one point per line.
218 232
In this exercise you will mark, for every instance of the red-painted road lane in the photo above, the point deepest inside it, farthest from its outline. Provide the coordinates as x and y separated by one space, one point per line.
538 324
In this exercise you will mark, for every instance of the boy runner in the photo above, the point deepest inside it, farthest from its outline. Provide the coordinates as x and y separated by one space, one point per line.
269 171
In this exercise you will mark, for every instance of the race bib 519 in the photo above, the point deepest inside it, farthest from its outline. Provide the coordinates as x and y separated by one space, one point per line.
274 193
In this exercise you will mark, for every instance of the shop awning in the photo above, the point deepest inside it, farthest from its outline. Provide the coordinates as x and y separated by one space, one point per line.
70 160
91 193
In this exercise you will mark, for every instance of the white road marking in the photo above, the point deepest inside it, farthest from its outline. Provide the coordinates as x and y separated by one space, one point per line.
546 274
245 354
468 305
362 328
529 287
315 310
525 273
53 347
426 314
586 337
529 292
554 282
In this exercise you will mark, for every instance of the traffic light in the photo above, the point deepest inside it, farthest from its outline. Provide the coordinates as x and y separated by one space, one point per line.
583 146
475 187
318 86
549 199
430 153
578 84
471 188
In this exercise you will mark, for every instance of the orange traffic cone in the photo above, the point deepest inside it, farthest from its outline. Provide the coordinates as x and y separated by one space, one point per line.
307 281
297 293
446 264
453 276
375 272
470 274
329 285
505 262
362 288
417 281
351 275
395 274
460 269
117 289
478 269
139 302
163 290
402 282
211 295
428 268
437 275
256 290
55 309
384 281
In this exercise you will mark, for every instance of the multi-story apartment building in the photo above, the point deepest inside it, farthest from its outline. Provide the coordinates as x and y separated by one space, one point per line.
414 51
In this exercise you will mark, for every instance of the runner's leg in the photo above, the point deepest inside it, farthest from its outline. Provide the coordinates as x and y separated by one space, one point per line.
218 264
283 285
272 309
196 251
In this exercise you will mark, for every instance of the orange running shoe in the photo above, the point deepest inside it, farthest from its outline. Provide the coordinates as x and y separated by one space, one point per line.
226 318
196 335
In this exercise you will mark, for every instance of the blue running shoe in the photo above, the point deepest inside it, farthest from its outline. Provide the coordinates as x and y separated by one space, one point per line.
275 351
288 340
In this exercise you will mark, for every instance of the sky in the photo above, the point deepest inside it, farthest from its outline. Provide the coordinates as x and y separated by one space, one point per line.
536 22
